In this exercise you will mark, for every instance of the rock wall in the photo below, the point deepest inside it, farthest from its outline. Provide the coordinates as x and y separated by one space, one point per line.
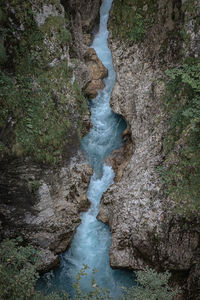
43 188
145 230
45 215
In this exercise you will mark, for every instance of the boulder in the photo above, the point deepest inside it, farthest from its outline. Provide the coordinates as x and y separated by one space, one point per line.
98 72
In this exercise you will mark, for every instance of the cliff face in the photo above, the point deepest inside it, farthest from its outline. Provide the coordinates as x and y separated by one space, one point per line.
44 73
46 67
145 225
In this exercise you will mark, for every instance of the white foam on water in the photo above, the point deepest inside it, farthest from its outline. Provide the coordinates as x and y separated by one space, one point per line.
91 242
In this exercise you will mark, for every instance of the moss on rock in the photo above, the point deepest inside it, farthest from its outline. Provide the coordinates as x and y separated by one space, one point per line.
39 104
181 168
130 19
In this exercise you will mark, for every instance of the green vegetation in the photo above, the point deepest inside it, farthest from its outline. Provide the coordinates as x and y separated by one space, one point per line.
151 286
37 98
190 7
130 19
57 24
18 273
181 169
38 113
64 36
17 270
34 186
18 276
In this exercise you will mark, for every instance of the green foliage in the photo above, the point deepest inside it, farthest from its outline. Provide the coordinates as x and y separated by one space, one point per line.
18 273
40 125
52 23
181 170
96 292
37 98
82 102
57 24
64 36
138 30
18 277
17 270
190 7
22 10
185 36
36 104
34 185
130 19
53 296
151 286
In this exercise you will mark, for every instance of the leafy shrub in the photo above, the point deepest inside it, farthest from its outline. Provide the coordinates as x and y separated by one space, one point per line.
34 186
40 126
37 99
151 286
18 273
64 36
17 270
138 30
181 169
129 20
18 277
52 23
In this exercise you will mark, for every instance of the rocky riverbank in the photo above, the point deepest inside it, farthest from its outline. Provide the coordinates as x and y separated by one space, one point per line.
146 230
44 177
46 69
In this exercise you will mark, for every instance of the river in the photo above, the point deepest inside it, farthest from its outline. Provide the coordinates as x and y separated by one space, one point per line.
91 243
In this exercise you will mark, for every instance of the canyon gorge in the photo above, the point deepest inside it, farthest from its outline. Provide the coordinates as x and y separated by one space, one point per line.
48 65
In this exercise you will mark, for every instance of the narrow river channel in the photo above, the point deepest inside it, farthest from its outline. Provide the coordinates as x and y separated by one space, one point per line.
91 243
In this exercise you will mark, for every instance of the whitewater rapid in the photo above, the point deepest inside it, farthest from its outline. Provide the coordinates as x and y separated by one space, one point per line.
91 243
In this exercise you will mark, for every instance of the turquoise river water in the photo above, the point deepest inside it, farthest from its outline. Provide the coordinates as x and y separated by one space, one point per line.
91 242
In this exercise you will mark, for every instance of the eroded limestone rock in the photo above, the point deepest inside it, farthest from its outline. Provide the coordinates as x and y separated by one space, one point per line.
141 218
98 72
42 203
51 222
47 10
